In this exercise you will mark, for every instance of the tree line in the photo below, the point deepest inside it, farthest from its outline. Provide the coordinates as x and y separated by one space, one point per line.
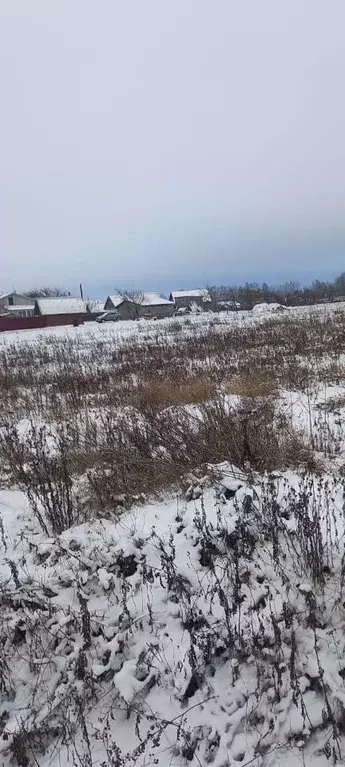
289 293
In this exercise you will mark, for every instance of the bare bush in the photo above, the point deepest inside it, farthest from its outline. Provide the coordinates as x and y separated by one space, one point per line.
147 451
39 465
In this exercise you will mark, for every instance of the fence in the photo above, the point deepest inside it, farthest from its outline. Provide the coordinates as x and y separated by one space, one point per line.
31 323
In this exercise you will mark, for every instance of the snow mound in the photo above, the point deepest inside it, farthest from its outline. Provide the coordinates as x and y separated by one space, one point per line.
262 308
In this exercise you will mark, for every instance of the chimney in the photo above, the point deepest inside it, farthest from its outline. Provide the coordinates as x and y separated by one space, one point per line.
81 292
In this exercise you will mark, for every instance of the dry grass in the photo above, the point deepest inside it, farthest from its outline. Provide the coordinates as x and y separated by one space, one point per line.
146 452
169 393
120 406
71 375
252 385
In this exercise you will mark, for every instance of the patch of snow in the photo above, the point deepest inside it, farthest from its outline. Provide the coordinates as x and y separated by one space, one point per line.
271 307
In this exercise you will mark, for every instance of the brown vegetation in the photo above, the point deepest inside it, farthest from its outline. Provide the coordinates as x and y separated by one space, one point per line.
131 416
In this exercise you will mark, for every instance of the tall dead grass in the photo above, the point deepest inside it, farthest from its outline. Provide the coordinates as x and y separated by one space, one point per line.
155 394
144 452
252 385
74 374
125 409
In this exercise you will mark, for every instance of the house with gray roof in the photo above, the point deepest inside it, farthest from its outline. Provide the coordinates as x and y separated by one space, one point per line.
185 299
63 310
134 305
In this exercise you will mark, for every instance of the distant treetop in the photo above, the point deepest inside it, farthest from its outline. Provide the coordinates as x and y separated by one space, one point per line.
46 292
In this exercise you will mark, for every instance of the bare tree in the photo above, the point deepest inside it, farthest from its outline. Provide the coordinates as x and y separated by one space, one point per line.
214 294
46 292
134 300
94 307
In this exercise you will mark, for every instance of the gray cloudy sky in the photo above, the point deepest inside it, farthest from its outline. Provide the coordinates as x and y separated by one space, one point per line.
162 143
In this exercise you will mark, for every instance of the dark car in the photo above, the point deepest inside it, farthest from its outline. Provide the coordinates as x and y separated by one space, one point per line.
110 316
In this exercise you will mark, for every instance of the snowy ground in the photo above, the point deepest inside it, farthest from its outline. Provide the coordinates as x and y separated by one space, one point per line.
204 628
150 328
187 627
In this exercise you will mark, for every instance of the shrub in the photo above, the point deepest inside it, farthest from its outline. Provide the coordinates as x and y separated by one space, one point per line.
42 471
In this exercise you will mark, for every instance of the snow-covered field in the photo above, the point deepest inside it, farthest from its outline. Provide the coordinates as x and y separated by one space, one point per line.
202 624
149 328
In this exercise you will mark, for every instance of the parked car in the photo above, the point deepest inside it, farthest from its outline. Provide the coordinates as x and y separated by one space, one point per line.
110 316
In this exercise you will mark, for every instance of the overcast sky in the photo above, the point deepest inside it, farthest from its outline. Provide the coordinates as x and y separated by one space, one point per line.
170 143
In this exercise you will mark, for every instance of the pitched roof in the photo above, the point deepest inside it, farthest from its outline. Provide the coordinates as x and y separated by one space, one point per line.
19 295
154 299
199 293
116 300
61 305
147 299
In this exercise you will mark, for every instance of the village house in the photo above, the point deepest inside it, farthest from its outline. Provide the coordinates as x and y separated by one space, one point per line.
141 305
16 305
61 311
185 299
